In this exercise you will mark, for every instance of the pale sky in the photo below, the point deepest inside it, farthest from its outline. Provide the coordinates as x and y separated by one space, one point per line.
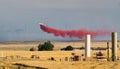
19 18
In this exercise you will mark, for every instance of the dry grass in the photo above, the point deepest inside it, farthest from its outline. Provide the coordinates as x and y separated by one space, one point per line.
44 62
11 56
58 45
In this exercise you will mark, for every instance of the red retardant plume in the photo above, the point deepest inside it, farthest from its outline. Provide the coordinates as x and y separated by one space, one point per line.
74 33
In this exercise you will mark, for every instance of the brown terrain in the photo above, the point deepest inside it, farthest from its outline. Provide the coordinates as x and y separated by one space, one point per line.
57 45
17 55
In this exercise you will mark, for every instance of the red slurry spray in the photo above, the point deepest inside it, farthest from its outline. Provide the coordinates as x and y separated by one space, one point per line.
75 33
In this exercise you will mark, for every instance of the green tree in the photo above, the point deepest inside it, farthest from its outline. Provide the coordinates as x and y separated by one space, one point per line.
47 46
69 48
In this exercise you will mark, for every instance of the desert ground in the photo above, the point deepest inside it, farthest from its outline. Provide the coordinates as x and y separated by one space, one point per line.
57 45
16 55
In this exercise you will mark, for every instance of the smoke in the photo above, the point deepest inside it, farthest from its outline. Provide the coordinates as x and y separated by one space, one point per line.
75 33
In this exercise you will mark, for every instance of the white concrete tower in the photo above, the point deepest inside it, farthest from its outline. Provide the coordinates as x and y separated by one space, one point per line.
87 45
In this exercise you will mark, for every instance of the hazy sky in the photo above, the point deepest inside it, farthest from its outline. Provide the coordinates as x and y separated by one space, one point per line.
19 18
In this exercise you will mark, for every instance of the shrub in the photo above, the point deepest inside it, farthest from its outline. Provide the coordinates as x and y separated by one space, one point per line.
32 49
69 47
82 48
99 54
47 46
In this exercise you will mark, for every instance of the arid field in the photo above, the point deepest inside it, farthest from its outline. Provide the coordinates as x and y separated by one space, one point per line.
16 55
57 45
